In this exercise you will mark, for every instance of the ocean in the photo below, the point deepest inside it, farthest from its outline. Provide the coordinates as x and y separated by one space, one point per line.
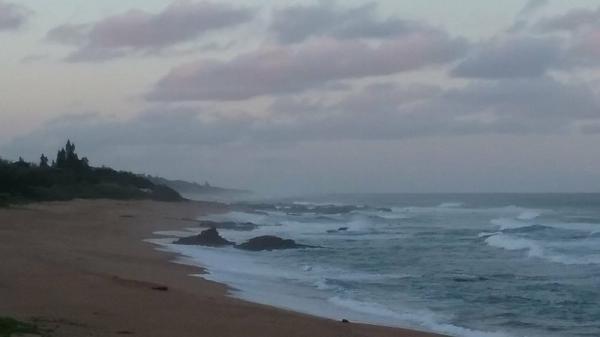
466 265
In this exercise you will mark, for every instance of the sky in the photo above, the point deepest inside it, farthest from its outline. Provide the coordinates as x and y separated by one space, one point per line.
323 96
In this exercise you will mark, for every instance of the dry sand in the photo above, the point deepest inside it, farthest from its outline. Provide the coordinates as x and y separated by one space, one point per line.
81 268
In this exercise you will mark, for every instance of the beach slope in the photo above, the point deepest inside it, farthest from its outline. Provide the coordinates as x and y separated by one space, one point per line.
81 268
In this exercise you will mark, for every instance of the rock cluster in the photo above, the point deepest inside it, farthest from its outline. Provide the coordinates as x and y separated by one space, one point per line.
211 238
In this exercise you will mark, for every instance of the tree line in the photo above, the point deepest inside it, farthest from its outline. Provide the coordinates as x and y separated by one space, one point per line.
70 177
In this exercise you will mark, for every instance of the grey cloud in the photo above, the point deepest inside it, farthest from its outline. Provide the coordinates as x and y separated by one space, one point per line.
580 30
591 129
282 70
12 16
529 106
537 104
513 57
388 96
73 34
515 107
297 23
556 43
313 137
570 21
138 31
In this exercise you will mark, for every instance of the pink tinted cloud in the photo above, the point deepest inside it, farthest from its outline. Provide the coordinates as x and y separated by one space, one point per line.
280 69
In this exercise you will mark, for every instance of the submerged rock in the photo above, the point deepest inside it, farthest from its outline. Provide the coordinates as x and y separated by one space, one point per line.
209 237
341 229
269 242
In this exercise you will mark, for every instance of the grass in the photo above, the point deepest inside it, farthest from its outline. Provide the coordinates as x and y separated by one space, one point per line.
11 327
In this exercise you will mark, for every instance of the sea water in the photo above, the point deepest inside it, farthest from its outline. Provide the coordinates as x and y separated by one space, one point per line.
463 265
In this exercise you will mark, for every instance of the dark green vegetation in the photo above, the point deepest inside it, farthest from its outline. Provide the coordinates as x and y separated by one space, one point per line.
11 327
69 177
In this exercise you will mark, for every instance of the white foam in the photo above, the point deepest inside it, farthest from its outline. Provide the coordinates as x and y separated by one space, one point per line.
508 223
592 228
529 215
260 282
414 318
510 242
487 234
537 250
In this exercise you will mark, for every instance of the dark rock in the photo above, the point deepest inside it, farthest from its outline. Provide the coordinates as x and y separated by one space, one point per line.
469 278
341 229
160 288
269 242
209 237
345 321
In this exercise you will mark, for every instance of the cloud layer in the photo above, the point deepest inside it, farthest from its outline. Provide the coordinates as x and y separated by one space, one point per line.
298 23
280 69
511 57
138 31
560 43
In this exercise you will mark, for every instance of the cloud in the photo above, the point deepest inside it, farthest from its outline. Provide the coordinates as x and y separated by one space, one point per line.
378 112
561 43
297 23
585 49
73 34
530 105
389 111
12 16
571 21
279 70
141 32
512 57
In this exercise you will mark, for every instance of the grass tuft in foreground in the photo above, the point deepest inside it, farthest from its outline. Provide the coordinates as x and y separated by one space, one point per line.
11 327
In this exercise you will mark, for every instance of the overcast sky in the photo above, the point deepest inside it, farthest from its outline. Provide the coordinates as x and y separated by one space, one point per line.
311 96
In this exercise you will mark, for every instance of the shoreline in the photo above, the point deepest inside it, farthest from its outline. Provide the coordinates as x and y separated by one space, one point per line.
83 267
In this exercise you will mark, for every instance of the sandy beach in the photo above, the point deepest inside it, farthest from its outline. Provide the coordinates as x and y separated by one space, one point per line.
81 268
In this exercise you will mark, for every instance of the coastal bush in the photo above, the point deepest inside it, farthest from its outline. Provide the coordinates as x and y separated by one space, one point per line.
11 327
69 177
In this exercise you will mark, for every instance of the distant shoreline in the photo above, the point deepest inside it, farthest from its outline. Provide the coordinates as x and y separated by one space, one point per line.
81 267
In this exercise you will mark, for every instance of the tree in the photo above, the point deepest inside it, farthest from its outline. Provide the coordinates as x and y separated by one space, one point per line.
72 160
44 161
22 163
67 158
61 159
